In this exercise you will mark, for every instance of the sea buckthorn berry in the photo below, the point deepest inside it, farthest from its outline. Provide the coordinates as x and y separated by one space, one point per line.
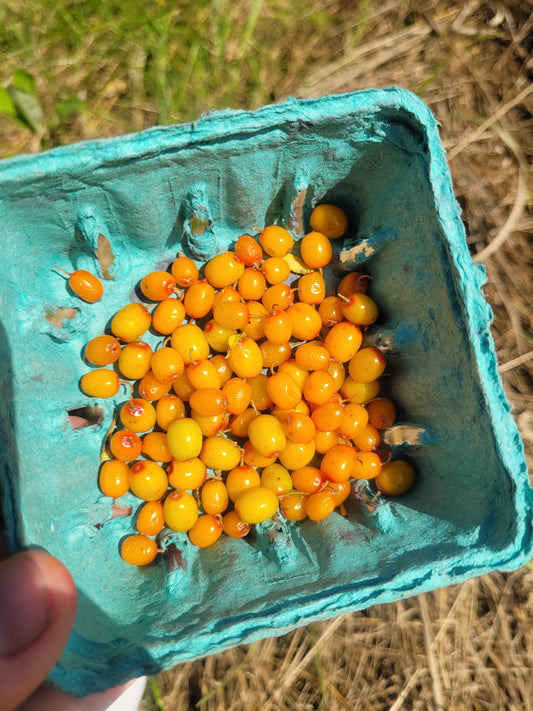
306 322
337 464
150 519
218 336
276 241
353 421
158 285
381 413
324 441
297 454
318 506
167 365
245 358
359 392
277 327
85 285
184 271
138 415
298 374
134 361
277 297
102 350
311 288
251 456
211 425
231 314
277 478
340 489
180 510
367 439
203 374
307 479
167 316
259 398
266 435
183 387
256 505
395 478
275 354
252 284
100 383
184 438
227 293
214 496
238 394
233 526
220 452
292 506
199 299
239 424
131 322
138 550
208 401
353 283
276 270
240 479
330 220
283 391
312 356
155 446
360 309
150 388
148 480
319 387
343 341
168 408
281 412
316 250
367 365
187 474
190 342
125 445
367 466
337 372
113 478
206 531
223 270
254 329
222 367
298 427
248 250
327 417
330 311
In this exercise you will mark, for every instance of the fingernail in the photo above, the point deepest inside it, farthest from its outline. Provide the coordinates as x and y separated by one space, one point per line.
24 604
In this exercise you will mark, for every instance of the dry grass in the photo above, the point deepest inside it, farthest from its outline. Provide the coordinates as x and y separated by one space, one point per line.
466 647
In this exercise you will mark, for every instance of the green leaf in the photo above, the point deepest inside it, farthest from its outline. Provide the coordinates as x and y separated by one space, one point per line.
28 108
7 105
70 106
25 81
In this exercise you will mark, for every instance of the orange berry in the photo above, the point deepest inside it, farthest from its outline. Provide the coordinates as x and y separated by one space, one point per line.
381 413
158 285
353 421
395 478
125 445
155 446
187 474
316 250
131 322
330 311
307 479
259 398
190 342
248 251
239 424
277 327
167 316
184 271
277 297
199 299
254 328
238 393
233 526
337 463
223 270
150 388
367 466
134 360
167 365
353 283
276 241
319 505
360 309
330 220
168 408
114 478
245 358
340 489
275 354
319 387
240 479
252 284
102 350
312 356
180 510
214 496
85 285
297 454
283 391
138 550
367 365
208 401
231 314
298 427
311 288
138 415
256 505
150 519
148 480
100 383
367 439
203 374
324 441
276 270
343 341
306 321
293 506
205 531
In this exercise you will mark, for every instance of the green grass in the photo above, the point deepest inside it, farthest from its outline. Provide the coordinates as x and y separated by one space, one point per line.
114 67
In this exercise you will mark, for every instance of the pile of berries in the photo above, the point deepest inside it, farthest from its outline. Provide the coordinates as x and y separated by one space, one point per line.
261 398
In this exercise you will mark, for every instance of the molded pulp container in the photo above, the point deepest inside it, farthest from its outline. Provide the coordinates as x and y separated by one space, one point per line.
197 187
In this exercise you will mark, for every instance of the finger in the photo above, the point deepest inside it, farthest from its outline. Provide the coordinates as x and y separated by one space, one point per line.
48 699
37 610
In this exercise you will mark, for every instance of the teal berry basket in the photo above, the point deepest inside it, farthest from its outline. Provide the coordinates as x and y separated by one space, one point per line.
196 188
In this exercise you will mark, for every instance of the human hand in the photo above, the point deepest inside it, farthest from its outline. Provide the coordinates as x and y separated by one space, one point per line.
37 610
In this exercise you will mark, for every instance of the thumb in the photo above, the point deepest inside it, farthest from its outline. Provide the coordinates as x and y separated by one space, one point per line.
37 610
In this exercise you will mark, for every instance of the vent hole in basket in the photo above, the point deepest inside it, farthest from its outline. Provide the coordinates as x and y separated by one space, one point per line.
85 416
58 317
105 256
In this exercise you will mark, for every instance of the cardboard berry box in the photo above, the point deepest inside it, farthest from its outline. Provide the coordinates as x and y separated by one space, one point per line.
124 206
